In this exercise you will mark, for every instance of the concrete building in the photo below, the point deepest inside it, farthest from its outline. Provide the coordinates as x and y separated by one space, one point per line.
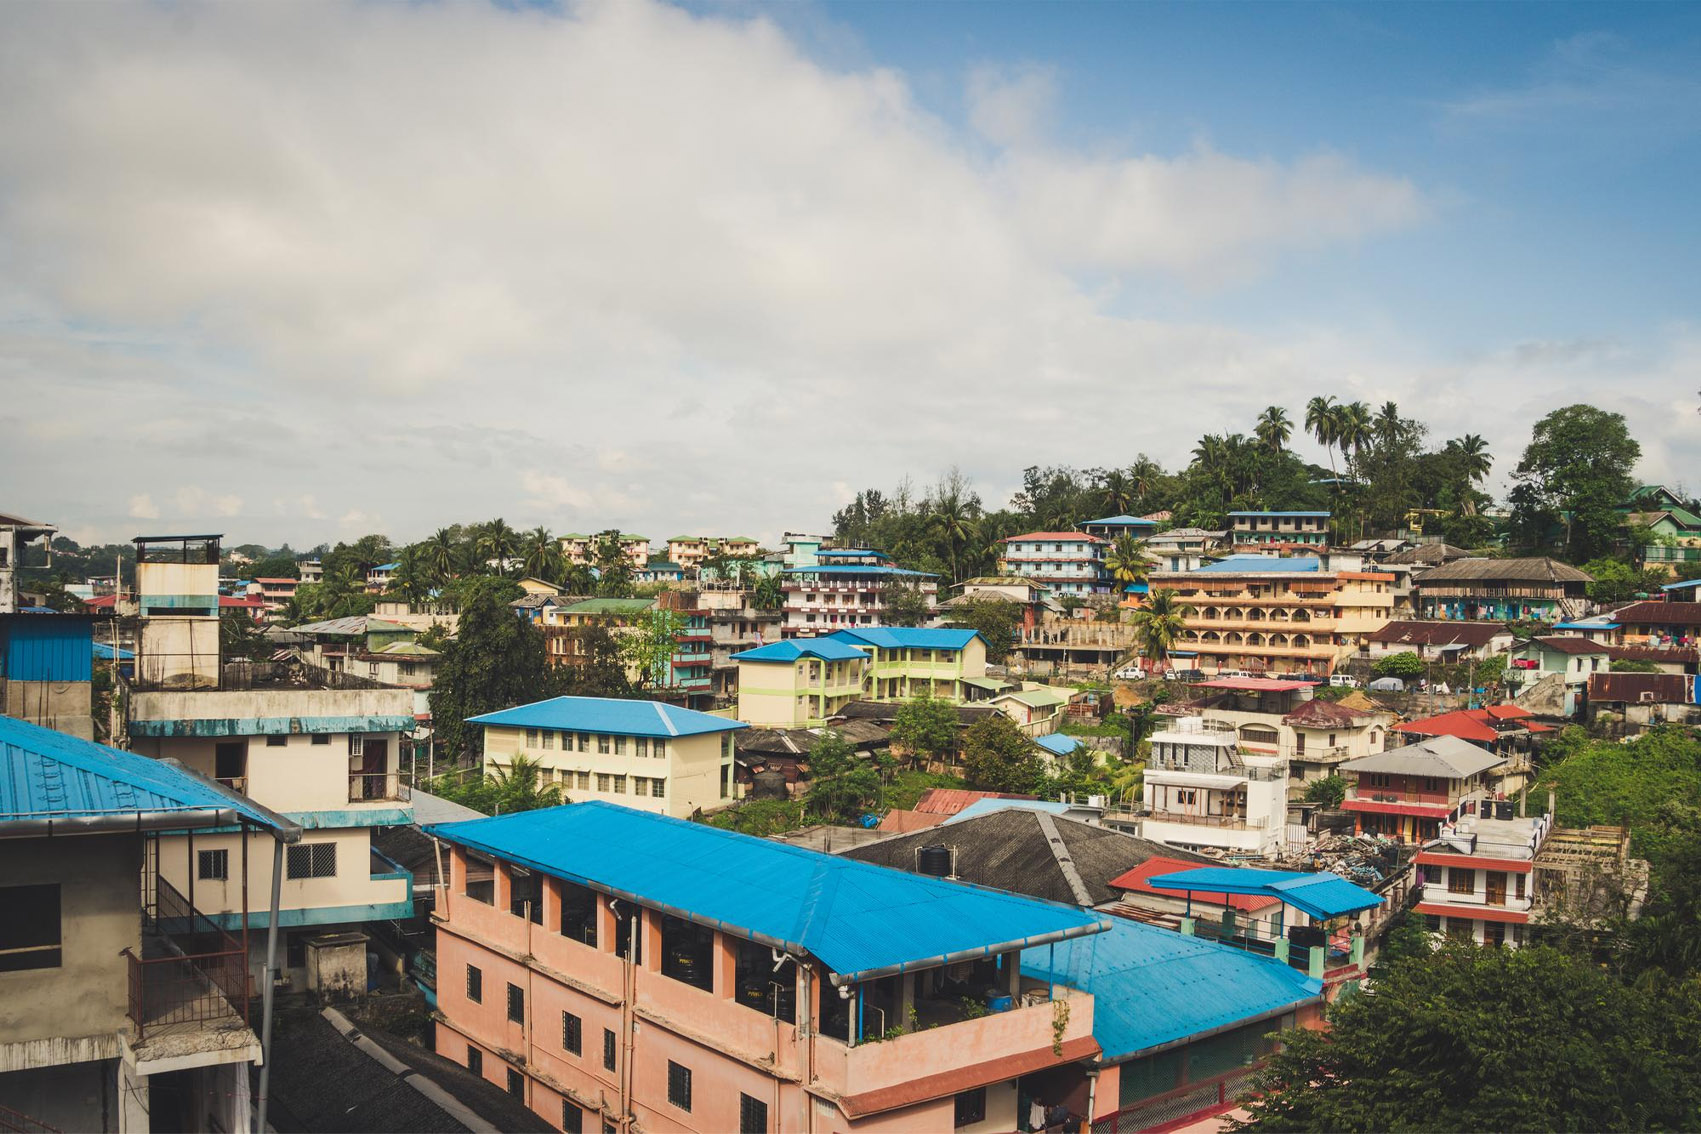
1572 659
331 752
1477 872
1267 614
106 1024
1408 793
1070 563
605 963
1502 590
1443 642
1112 528
642 754
1183 549
736 624
581 550
1203 790
689 552
799 682
16 533
1280 529
844 587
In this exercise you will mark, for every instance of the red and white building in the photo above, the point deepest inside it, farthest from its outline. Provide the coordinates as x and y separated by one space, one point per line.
1411 793
1478 874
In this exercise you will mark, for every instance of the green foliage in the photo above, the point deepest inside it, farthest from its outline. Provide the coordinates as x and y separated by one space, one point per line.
1469 1038
908 785
997 757
1618 784
518 787
273 567
1618 581
495 661
601 670
1329 791
927 727
240 637
842 786
1574 473
760 817
614 566
650 647
905 603
1403 664
1159 624
1635 667
996 621
336 597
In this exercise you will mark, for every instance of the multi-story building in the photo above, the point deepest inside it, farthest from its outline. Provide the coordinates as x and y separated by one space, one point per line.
690 672
1308 529
275 593
690 551
736 624
581 550
643 754
799 682
563 626
1502 590
915 661
1263 613
1566 659
844 587
327 751
1444 642
378 579
1112 528
331 643
1408 793
16 533
46 659
1202 789
121 1007
1183 549
1477 872
1070 563
1666 624
602 963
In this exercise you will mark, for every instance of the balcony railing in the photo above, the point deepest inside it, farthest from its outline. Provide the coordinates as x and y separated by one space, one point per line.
172 985
1226 822
368 787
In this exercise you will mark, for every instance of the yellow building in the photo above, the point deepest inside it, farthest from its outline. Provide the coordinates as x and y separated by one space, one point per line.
1267 614
800 682
641 754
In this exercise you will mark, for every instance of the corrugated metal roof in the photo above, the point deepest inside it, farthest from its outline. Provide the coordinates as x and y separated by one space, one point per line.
856 918
1058 743
949 801
1258 564
1122 521
858 569
1446 756
987 806
1322 895
611 606
56 647
1152 987
49 775
1325 515
1138 880
609 715
907 637
827 649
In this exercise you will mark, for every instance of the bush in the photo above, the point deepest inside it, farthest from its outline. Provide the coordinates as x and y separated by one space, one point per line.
1405 664
1329 791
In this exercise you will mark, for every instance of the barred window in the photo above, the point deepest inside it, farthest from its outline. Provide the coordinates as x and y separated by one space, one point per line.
752 1115
572 1118
679 1085
475 1061
572 1029
608 1049
475 984
516 1084
312 860
212 865
516 1004
971 1107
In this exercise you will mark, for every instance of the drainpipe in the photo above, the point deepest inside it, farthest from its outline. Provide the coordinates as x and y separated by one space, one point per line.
267 991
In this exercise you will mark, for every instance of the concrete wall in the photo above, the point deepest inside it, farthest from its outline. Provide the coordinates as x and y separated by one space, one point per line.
690 767
63 706
353 895
100 915
295 776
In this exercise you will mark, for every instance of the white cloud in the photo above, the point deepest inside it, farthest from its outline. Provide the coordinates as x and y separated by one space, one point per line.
142 507
454 260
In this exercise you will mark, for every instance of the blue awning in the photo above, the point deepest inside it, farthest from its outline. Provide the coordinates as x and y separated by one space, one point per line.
1323 895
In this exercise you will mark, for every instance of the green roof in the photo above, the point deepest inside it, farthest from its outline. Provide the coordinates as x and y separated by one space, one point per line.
611 606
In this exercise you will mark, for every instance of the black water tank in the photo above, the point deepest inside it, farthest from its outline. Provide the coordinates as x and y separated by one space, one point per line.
768 785
936 860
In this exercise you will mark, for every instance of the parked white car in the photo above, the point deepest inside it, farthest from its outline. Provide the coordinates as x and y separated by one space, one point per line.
1344 681
1130 673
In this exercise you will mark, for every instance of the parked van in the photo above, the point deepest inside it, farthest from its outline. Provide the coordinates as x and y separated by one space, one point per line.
1344 681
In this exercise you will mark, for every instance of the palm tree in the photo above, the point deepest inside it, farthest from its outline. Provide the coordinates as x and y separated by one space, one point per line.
499 542
952 516
768 594
1474 456
543 557
1274 428
1159 625
1353 432
1323 421
1388 425
1127 563
1143 477
1117 492
439 555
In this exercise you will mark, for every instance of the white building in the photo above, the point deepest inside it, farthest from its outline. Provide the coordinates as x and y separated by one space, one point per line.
1201 790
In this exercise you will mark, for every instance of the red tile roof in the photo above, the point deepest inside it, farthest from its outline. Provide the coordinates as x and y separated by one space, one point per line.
1078 537
1474 724
949 801
1135 880
1659 614
1665 688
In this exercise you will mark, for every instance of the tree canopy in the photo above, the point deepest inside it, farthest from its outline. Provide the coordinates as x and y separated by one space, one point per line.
998 757
495 661
1575 472
927 727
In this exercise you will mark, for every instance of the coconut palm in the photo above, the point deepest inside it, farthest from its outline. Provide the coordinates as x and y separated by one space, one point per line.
1143 476
1323 421
439 555
1274 428
1474 455
1159 625
952 515
1126 561
1353 432
1117 494
499 542
542 556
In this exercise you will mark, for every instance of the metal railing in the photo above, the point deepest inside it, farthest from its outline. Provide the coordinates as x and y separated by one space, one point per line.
1228 822
1172 1108
366 787
16 1122
205 984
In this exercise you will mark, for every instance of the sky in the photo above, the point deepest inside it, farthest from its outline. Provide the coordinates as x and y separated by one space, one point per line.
302 272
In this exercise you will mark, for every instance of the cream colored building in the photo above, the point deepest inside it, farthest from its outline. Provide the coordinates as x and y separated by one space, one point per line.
800 682
642 754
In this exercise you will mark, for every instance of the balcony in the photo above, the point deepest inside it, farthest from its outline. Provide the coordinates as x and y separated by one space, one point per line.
373 787
1223 822
192 976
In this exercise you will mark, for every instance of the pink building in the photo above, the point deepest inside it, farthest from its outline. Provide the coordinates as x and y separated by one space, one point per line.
622 970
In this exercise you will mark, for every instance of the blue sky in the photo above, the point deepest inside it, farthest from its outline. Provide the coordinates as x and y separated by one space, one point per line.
353 266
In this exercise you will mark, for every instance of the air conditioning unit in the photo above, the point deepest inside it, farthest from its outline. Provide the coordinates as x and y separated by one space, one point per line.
1646 697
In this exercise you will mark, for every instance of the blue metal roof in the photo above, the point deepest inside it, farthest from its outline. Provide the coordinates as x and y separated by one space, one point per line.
858 569
1153 987
104 652
907 637
859 919
610 715
1122 522
827 649
1247 564
57 648
1323 895
49 775
1058 743
850 552
1685 585
1586 626
1325 515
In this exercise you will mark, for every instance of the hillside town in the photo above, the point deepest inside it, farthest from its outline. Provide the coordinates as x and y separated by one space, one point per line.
903 825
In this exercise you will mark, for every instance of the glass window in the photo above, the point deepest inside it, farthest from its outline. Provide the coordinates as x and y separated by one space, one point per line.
660 749
475 984
276 740
602 744
607 1049
602 781
584 743
679 1085
572 1029
1460 881
531 738
619 785
970 1107
516 1004
658 788
30 933
212 865
642 745
548 738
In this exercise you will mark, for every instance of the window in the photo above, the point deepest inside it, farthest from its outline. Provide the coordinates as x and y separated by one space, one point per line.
660 749
516 1004
572 1118
752 1115
658 788
1460 881
678 1085
602 744
1518 885
475 1061
481 878
312 860
531 738
475 984
619 785
640 786
525 894
584 742
276 740
970 1108
572 1033
516 1084
608 1049
212 865
30 931
548 738
642 745
321 738
578 913
726 781
603 779
620 746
